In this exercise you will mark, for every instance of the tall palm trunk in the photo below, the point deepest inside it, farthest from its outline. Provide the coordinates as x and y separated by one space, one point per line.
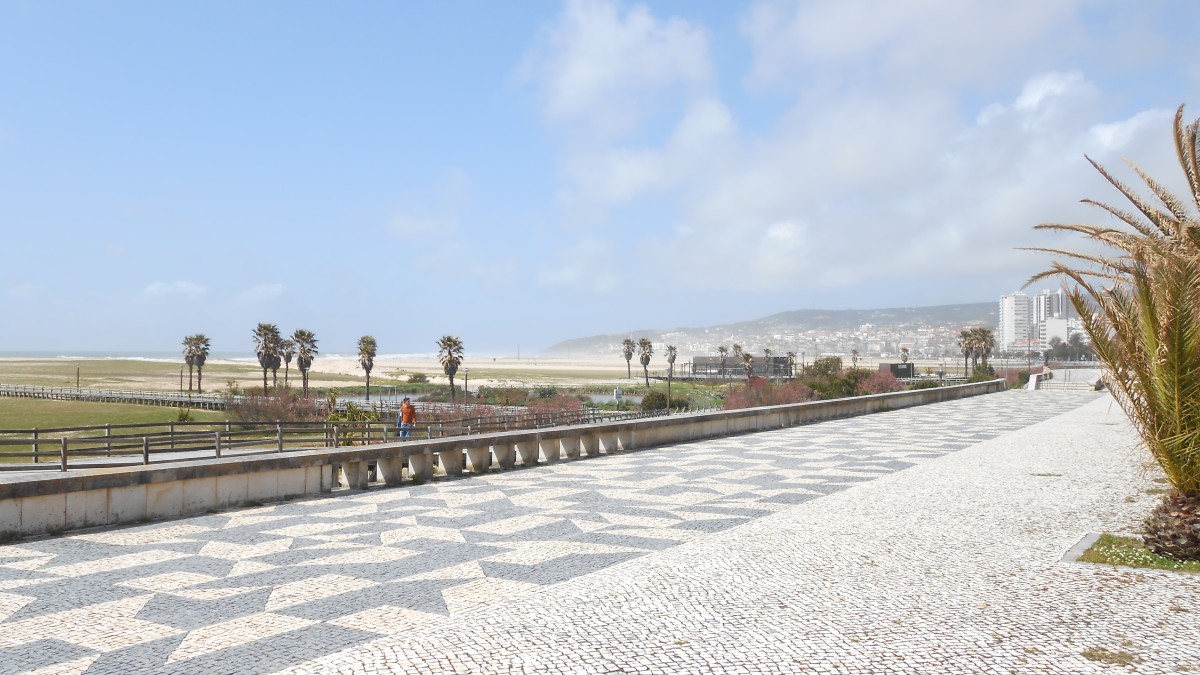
199 380
189 379
265 381
451 387
286 366
368 385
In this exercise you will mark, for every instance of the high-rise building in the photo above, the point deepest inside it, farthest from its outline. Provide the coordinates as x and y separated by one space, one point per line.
1050 305
1015 315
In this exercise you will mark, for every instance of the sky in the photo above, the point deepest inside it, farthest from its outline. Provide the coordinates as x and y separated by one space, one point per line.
517 174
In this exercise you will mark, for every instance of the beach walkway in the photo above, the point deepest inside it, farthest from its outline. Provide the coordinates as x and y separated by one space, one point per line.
926 540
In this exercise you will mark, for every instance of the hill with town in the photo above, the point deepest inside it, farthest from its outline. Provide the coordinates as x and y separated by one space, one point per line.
925 331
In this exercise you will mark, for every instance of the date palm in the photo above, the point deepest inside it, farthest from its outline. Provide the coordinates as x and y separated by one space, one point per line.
450 354
791 364
645 351
854 359
672 352
748 365
189 357
723 351
366 358
1140 304
267 343
306 351
627 349
287 350
200 349
767 361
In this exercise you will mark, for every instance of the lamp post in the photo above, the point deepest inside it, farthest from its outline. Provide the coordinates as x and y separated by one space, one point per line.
466 382
670 372
76 378
181 380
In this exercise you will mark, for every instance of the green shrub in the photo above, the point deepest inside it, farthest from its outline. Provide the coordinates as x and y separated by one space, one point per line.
657 400
418 378
924 384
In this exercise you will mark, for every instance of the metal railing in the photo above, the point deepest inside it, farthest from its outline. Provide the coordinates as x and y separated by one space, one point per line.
64 448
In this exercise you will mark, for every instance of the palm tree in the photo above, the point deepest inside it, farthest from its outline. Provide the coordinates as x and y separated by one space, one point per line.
966 344
288 350
671 354
366 358
985 343
1141 309
306 350
646 349
189 357
627 349
267 342
791 365
200 355
450 353
767 362
724 352
854 358
748 366
904 355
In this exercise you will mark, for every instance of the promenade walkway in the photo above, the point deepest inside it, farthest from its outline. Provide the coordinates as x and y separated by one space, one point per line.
925 540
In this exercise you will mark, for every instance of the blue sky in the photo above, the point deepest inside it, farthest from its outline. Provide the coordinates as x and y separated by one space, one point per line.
551 170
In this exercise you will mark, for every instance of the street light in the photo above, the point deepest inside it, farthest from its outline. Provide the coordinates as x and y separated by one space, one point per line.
181 380
76 378
466 382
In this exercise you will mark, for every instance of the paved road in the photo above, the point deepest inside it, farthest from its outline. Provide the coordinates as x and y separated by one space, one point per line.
774 551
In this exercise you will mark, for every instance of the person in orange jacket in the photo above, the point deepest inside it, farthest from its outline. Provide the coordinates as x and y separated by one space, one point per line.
407 418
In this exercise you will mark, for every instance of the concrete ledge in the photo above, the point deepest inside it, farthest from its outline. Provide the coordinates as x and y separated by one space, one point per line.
84 498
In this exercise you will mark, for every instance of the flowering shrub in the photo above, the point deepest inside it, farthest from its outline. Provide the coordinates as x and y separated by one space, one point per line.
760 392
878 382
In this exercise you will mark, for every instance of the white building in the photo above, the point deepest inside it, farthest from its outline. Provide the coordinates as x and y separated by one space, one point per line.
1054 327
1049 305
1015 316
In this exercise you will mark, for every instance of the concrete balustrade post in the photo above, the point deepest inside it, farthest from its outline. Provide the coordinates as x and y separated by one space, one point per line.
569 446
548 449
355 474
479 456
609 443
391 470
589 444
625 439
451 461
420 467
506 455
527 452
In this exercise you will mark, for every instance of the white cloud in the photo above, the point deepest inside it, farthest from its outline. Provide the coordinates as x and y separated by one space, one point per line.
176 289
26 292
852 184
435 210
587 264
607 69
262 293
926 42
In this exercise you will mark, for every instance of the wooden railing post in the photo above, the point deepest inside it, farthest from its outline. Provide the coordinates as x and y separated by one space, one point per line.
336 440
171 430
63 454
145 449
108 440
35 446
217 444
279 437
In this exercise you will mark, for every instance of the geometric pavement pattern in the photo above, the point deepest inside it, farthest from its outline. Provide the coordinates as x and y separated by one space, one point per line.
260 589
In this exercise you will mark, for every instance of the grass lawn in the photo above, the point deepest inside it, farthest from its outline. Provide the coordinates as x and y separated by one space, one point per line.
144 375
1114 550
27 413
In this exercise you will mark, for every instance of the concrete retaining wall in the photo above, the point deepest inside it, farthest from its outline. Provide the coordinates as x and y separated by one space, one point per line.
33 504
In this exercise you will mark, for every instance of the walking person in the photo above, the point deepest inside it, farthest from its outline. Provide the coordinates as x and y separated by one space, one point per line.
407 417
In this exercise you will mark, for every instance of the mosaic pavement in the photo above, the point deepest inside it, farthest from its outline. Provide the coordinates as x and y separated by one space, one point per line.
261 589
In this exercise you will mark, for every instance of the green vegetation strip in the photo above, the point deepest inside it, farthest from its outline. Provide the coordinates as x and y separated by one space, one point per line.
27 413
1111 549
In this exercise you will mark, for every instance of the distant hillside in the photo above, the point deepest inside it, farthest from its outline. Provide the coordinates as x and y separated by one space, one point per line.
948 316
